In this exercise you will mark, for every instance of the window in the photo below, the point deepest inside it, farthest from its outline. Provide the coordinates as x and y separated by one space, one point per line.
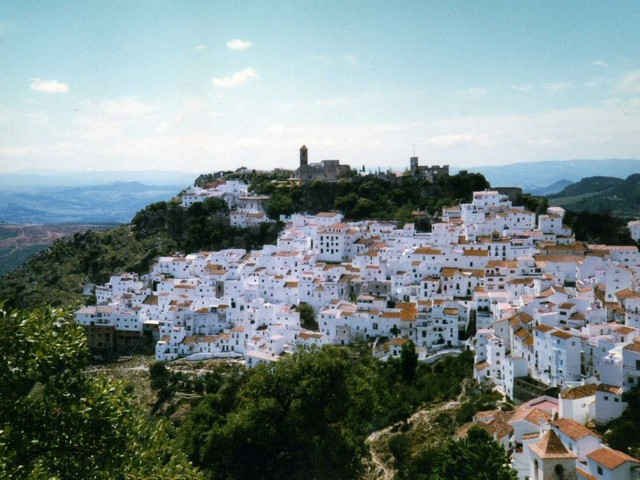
600 472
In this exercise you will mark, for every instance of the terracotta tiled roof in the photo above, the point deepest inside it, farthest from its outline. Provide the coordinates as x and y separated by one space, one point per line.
585 475
481 366
562 334
603 387
550 446
537 416
543 327
633 347
573 429
579 392
610 458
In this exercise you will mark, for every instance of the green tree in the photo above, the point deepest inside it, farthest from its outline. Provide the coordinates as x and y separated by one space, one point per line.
477 456
307 316
56 421
622 433
408 361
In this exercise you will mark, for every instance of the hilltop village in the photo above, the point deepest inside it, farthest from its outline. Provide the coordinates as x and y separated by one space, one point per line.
539 310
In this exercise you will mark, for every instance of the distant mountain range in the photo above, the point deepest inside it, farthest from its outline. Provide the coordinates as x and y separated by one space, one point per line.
106 203
601 194
555 187
54 179
535 177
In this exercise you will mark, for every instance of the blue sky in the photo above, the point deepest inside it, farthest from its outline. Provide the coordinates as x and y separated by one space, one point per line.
205 85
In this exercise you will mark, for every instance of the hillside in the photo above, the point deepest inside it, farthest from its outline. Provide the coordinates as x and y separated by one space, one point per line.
20 242
602 194
555 187
56 275
63 418
532 176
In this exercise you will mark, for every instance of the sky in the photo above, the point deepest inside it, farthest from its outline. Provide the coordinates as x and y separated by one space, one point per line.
207 85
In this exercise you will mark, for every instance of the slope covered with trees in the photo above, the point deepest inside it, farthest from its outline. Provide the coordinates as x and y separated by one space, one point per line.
307 416
57 421
56 276
370 196
617 196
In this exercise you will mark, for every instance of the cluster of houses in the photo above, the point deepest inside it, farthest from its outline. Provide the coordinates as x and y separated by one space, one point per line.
534 304
548 438
245 209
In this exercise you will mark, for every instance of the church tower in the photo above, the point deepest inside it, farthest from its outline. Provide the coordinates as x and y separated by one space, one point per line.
304 158
550 459
413 164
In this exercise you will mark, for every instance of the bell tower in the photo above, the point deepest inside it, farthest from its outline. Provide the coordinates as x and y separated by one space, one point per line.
304 156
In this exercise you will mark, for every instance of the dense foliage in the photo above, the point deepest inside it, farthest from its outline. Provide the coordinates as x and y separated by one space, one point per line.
599 228
307 415
617 196
202 226
622 433
56 421
369 196
476 456
307 316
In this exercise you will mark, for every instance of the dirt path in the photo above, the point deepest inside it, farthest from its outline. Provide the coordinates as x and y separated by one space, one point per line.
379 467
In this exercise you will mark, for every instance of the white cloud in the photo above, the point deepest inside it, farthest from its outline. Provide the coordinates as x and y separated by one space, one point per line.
630 83
236 79
126 107
48 86
558 86
200 47
600 63
524 88
237 44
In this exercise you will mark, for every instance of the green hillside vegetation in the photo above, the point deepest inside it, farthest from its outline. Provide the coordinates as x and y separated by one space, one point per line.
622 433
306 416
58 421
12 257
369 196
56 275
476 456
620 197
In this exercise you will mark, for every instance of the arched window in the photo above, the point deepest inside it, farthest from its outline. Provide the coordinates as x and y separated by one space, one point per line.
559 469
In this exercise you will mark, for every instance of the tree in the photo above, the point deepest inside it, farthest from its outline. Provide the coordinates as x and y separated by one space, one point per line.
622 433
408 361
289 420
477 456
307 316
159 375
56 421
